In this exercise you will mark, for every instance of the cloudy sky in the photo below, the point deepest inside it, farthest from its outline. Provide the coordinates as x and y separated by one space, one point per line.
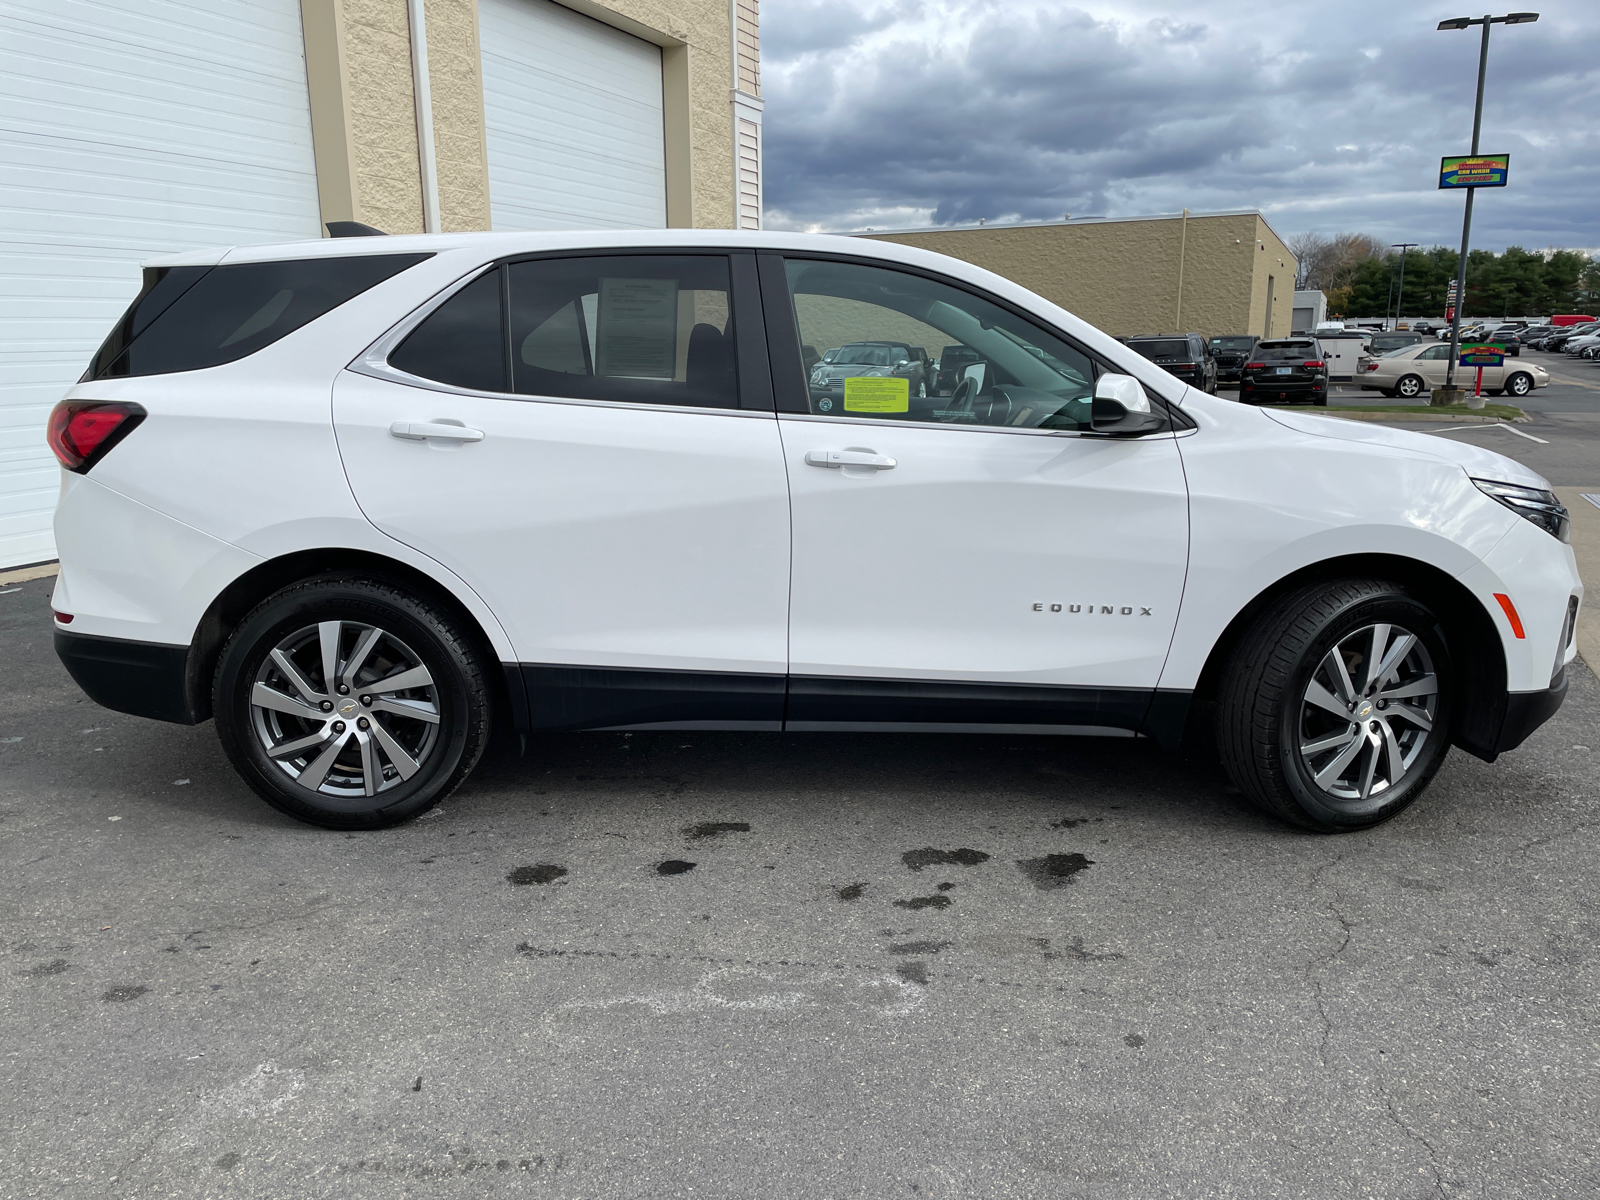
1330 117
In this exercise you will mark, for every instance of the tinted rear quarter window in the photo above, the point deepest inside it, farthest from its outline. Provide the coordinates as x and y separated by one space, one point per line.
231 311
463 341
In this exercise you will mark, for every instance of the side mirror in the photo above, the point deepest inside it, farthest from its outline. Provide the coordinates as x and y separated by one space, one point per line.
1121 406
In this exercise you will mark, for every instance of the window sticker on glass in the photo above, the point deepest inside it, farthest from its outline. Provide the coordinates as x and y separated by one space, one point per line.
877 395
638 328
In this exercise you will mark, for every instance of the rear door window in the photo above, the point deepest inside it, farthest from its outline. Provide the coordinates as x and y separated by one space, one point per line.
646 329
225 313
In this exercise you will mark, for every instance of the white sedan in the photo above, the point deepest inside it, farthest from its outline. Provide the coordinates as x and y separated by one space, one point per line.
1416 369
358 500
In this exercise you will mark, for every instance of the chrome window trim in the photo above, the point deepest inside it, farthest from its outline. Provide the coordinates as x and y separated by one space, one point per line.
374 363
829 418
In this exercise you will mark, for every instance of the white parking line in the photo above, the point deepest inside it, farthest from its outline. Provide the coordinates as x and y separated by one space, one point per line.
1591 498
1507 428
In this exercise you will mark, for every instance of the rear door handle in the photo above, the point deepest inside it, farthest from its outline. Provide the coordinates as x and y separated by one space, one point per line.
418 431
849 458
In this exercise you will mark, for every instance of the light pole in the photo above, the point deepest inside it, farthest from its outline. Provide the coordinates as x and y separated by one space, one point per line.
1400 300
1520 18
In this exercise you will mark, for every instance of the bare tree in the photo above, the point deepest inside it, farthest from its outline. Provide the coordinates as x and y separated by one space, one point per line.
1329 263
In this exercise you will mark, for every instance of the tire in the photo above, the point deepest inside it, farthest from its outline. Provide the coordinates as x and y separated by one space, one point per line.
1520 384
1410 386
1274 738
399 750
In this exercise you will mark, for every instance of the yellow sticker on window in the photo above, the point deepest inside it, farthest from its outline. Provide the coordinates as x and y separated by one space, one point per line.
876 394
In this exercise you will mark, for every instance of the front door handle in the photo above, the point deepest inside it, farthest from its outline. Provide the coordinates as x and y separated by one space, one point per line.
418 431
849 458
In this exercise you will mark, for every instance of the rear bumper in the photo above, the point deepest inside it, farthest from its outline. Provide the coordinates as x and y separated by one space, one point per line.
146 679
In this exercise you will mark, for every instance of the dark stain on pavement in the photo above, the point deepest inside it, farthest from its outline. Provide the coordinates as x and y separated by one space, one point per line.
924 902
708 829
674 866
947 887
1133 1041
229 1161
1053 870
118 995
538 873
850 891
55 967
913 972
920 947
929 856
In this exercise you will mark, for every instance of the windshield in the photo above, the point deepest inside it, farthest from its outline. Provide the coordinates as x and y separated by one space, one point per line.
1232 343
1175 348
866 356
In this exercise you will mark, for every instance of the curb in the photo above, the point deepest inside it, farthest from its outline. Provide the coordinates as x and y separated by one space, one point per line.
1454 418
24 574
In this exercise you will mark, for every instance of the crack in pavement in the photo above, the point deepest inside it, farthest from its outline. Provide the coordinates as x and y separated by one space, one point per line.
1433 1154
1314 963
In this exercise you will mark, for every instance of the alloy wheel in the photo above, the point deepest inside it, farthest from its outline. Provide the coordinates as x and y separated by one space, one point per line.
1366 713
345 709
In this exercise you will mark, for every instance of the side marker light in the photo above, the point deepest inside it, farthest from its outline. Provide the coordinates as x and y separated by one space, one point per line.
1511 614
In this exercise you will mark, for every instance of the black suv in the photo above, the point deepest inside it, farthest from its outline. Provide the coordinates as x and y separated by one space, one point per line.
1285 371
1184 354
1231 354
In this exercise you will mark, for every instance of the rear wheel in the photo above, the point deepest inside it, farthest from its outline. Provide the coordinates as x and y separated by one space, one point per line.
1410 386
350 703
1334 710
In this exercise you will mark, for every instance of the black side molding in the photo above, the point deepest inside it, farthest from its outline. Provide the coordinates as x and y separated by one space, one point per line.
568 698
353 229
146 679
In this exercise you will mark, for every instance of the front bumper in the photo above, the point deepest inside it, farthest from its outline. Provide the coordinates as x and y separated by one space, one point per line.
1526 711
146 679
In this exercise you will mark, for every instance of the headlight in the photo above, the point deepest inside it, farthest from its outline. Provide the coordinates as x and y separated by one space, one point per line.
1540 507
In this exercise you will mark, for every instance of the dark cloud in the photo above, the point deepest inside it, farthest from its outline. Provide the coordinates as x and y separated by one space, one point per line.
944 112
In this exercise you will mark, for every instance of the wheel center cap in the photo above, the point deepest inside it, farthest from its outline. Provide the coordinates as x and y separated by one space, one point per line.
1363 710
347 708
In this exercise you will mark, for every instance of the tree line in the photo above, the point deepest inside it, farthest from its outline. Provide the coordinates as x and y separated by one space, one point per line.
1360 276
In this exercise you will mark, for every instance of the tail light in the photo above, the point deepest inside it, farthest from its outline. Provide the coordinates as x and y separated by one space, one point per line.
1254 366
1314 365
1372 366
82 432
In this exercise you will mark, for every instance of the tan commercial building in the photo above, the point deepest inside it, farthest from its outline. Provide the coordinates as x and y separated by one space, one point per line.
1211 273
144 128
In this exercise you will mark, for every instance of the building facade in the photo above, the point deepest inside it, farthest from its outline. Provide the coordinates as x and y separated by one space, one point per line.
138 128
1212 273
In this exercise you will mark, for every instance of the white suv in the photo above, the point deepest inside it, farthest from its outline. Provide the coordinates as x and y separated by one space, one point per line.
357 499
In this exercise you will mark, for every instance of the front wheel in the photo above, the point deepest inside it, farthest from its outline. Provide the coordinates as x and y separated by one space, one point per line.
1334 710
1410 386
1520 384
350 703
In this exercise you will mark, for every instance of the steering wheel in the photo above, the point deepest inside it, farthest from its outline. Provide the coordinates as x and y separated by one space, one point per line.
961 399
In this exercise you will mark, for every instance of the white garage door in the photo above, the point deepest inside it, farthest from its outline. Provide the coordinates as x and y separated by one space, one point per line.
572 109
131 129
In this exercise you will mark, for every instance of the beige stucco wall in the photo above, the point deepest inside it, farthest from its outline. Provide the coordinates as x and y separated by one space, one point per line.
358 65
1124 276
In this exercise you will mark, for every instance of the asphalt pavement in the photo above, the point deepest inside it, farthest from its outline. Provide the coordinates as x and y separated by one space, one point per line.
813 965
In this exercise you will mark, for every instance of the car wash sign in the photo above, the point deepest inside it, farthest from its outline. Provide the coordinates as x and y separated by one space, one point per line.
1474 170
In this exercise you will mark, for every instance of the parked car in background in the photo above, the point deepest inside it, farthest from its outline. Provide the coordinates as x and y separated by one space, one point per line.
856 360
1285 371
1581 342
1410 372
1425 327
1231 354
953 360
1533 333
1342 352
1382 343
1183 354
1559 339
